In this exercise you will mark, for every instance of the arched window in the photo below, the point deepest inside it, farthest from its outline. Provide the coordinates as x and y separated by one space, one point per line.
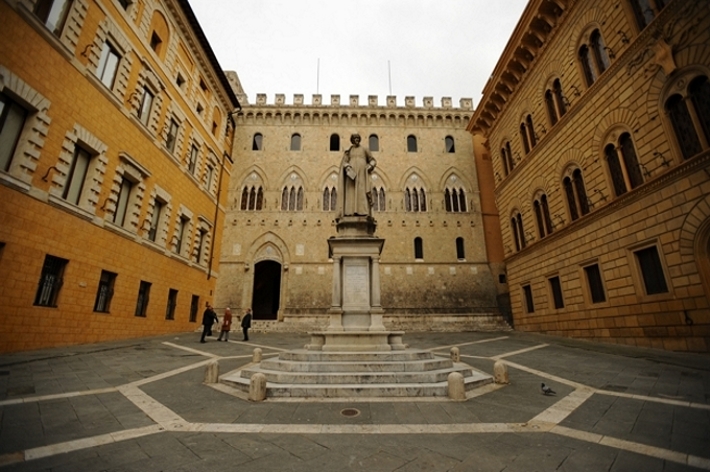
551 109
330 198
411 143
449 144
560 99
373 143
623 165
576 194
524 138
460 252
531 132
516 226
415 199
542 216
599 50
646 10
455 200
593 57
418 248
690 117
555 102
257 143
252 198
295 142
378 199
292 198
334 142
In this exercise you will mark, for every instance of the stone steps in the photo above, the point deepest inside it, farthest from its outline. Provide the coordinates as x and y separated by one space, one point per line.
407 373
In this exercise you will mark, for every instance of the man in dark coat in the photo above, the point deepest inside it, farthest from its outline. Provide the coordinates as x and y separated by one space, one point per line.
246 324
209 317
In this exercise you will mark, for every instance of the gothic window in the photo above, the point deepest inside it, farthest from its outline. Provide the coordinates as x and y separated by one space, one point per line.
292 198
516 226
531 131
257 143
599 51
378 199
411 143
551 109
585 59
576 194
334 142
330 198
507 158
373 143
646 10
449 144
252 198
623 165
542 216
560 100
415 199
455 200
296 142
689 114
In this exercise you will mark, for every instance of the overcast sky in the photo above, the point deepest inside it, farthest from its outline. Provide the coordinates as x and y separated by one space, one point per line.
434 48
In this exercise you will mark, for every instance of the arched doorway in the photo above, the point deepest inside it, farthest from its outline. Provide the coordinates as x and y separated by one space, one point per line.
267 290
702 255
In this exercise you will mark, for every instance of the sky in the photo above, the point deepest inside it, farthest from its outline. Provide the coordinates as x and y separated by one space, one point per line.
420 48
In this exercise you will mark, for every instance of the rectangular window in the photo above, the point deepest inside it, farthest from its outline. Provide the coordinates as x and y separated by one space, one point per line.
556 289
104 292
194 306
77 175
172 135
192 165
155 219
527 292
460 253
108 65
53 13
124 195
209 175
201 245
12 120
594 281
172 303
143 298
146 105
182 226
50 281
651 269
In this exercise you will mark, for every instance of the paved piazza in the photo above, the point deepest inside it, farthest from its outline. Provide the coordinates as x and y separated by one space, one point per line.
141 405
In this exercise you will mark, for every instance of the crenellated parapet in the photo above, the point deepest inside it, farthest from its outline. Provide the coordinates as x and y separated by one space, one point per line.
354 113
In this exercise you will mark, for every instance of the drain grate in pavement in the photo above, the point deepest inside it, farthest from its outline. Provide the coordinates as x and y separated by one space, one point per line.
350 412
615 388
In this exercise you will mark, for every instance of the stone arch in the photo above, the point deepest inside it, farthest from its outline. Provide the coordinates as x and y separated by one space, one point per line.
611 122
460 182
268 246
287 176
590 20
570 158
421 177
694 225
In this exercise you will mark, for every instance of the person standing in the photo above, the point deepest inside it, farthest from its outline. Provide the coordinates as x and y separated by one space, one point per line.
226 325
209 317
355 183
246 324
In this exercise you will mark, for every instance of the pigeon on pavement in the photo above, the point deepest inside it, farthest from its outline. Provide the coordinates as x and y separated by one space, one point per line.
547 390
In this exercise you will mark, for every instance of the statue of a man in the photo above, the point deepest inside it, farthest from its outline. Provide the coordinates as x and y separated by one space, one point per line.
354 184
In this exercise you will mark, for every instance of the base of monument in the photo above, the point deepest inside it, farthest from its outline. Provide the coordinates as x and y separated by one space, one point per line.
356 341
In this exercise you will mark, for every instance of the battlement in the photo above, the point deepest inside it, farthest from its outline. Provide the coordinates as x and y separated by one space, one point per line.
372 101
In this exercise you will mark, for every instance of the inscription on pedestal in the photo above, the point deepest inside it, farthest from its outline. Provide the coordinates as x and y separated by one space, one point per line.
356 285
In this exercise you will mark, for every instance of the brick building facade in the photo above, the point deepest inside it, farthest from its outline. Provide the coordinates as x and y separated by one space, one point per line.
597 122
115 133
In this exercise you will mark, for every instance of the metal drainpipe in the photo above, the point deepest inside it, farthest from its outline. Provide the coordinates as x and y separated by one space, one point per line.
216 213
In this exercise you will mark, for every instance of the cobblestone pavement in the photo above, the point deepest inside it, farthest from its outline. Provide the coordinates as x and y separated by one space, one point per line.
141 405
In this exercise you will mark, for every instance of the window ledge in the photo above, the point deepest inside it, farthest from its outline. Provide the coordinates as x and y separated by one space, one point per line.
121 231
14 182
78 211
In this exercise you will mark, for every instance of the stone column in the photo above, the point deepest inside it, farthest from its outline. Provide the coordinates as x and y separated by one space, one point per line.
376 305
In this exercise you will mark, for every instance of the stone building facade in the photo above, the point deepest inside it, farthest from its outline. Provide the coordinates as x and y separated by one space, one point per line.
596 120
115 135
434 268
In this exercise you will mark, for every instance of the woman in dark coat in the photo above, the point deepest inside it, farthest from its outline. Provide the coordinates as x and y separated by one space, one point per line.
246 324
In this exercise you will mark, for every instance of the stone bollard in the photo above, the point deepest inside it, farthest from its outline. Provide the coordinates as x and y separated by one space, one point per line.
457 391
500 373
455 355
257 355
212 372
257 388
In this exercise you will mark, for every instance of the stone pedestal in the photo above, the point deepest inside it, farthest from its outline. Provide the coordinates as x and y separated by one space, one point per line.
356 311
